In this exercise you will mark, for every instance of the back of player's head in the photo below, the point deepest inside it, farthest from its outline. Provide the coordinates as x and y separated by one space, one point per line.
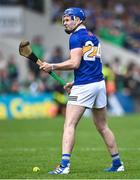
75 12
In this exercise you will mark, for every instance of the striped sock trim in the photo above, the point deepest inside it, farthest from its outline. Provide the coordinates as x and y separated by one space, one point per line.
69 155
66 156
115 156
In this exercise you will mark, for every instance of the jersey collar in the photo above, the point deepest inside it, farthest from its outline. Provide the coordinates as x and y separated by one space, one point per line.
80 27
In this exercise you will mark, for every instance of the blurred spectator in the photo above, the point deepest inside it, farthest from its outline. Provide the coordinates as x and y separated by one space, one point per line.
5 83
132 84
90 15
57 55
113 35
110 82
119 8
15 87
119 71
37 46
109 79
117 67
56 11
32 83
132 80
3 62
59 96
38 49
37 5
133 40
12 68
4 80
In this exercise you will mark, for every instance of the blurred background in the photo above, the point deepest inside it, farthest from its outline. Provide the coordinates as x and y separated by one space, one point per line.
25 92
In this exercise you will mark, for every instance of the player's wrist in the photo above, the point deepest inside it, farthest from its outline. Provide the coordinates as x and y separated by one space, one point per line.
52 67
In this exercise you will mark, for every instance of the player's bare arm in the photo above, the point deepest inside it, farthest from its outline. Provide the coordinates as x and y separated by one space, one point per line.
70 64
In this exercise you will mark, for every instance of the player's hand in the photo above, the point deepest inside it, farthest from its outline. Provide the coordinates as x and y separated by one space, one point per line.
46 67
68 87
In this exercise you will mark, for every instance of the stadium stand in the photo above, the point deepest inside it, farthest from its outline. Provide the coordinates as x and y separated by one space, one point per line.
114 21
36 5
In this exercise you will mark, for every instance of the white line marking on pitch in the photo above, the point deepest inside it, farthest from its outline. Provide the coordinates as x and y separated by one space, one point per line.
56 149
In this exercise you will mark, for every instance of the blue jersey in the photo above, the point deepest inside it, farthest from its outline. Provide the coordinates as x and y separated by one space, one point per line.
90 69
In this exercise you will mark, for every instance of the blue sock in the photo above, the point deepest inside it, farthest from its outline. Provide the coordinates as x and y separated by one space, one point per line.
65 159
116 160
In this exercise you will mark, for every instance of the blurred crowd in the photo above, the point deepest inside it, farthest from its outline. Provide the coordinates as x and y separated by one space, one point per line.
36 81
115 21
37 5
119 78
124 80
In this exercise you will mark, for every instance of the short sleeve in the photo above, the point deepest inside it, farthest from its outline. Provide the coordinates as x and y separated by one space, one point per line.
74 42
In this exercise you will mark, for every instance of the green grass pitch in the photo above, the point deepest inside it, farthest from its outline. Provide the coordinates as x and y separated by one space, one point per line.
28 143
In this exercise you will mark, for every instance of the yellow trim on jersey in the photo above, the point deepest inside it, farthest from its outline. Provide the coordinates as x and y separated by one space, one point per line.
93 50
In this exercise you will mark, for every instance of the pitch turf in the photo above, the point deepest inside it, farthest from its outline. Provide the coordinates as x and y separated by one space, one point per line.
28 143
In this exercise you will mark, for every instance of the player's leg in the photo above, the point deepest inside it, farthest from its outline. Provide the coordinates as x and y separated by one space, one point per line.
79 98
99 117
73 115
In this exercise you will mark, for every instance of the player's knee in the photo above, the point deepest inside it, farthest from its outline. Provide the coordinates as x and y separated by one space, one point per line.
102 129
